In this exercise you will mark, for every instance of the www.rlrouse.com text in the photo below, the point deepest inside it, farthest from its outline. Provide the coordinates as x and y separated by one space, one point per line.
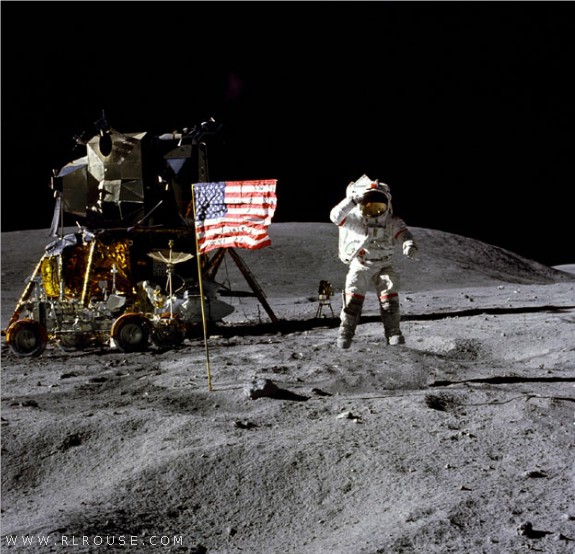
95 540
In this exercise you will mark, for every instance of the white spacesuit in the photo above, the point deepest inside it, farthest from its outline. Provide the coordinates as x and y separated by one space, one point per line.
368 233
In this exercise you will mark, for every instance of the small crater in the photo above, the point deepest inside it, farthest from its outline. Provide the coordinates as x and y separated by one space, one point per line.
442 402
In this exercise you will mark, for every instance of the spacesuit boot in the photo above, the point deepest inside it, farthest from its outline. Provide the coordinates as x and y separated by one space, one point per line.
350 315
390 316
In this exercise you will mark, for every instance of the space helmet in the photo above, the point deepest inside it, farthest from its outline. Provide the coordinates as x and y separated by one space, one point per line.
374 202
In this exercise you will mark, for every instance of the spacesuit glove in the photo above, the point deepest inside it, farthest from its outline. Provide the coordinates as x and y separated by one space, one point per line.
353 194
409 249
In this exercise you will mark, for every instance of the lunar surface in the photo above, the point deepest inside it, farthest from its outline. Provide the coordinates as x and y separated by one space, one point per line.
462 440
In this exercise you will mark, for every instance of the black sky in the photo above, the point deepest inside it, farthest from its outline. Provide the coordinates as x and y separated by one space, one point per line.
466 109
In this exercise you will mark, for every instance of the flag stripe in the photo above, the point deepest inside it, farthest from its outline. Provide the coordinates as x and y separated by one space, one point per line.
234 214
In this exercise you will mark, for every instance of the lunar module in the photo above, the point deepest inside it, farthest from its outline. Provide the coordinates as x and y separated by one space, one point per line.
129 276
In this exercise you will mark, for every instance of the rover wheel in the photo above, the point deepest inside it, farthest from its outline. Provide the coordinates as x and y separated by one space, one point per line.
168 334
130 333
194 331
27 337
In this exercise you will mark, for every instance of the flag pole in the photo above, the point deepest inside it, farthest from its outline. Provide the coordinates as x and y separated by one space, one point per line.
200 281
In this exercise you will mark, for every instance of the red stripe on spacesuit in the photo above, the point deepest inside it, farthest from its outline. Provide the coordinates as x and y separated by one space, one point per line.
386 296
342 222
399 232
355 295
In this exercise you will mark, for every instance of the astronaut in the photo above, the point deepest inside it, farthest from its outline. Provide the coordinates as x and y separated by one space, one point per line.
368 233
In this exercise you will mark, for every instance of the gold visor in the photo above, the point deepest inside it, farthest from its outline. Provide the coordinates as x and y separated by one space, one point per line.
373 209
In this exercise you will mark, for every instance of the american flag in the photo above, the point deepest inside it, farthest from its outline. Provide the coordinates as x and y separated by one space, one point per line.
234 214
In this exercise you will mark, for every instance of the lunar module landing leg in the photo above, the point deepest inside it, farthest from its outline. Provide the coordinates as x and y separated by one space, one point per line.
258 292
